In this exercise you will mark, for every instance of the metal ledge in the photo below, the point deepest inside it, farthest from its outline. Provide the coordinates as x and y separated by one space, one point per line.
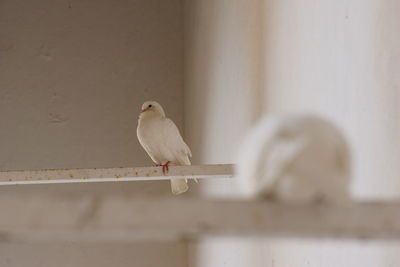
115 174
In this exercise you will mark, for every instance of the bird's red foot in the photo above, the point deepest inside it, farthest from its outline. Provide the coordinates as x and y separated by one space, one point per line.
165 167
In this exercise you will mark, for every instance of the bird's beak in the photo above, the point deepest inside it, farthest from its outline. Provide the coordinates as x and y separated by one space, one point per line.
144 110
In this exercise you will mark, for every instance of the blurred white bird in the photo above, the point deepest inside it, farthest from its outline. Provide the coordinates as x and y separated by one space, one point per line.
294 158
161 139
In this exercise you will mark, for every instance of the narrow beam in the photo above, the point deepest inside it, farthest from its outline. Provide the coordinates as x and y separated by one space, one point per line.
131 218
115 174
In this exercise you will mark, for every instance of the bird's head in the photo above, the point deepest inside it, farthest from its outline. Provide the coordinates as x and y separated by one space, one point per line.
152 107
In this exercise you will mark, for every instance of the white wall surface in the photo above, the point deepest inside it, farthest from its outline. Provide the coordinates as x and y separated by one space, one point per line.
338 59
73 76
222 78
229 252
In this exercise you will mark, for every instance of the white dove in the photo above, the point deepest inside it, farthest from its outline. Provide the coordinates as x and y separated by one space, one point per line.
161 139
295 158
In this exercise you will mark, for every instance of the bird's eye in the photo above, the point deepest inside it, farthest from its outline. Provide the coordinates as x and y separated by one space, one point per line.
150 106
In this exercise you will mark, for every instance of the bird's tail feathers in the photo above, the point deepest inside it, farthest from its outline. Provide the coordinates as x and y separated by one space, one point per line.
179 186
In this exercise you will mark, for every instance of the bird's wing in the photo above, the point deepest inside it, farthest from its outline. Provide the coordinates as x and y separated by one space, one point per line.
175 144
275 158
265 155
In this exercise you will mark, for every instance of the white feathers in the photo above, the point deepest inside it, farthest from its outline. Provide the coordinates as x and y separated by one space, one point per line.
161 139
294 158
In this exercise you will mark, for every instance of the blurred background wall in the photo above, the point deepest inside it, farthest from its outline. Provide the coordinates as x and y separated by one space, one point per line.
338 59
223 79
73 76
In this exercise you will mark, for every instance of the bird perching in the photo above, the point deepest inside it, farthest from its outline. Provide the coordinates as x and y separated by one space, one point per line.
162 141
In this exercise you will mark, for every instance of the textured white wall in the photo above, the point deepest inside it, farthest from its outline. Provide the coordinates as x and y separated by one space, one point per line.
73 76
222 78
339 59
334 58
223 97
